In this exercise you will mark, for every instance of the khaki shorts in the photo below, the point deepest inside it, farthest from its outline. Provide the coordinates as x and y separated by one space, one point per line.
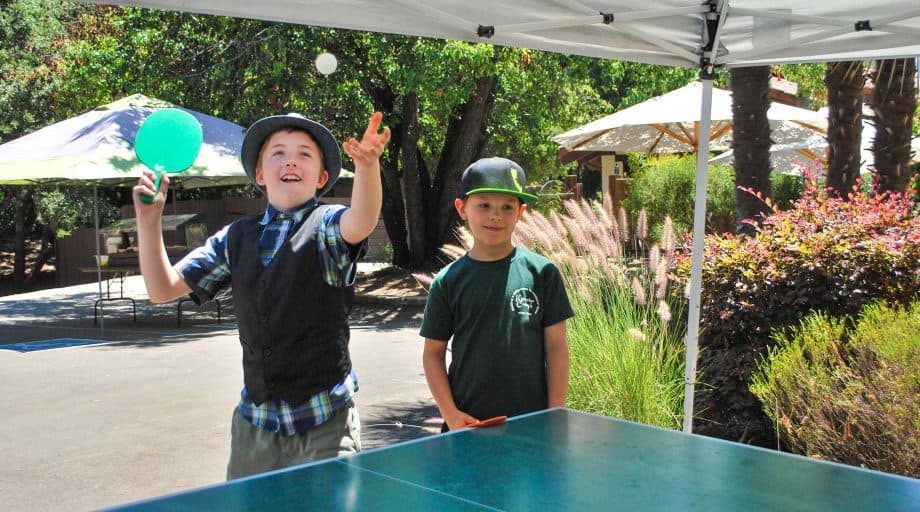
254 450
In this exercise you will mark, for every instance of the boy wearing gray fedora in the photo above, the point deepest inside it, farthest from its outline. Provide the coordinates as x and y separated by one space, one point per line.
291 269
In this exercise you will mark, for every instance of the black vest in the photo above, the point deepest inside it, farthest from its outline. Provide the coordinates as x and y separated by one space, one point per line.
293 326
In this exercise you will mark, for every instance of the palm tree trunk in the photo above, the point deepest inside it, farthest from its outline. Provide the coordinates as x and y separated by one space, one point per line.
894 100
751 143
844 82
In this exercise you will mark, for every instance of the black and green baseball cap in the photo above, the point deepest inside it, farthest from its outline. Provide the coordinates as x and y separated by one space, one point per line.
495 174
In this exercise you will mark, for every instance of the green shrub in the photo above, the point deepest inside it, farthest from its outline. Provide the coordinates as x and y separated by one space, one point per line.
786 189
848 395
825 254
665 186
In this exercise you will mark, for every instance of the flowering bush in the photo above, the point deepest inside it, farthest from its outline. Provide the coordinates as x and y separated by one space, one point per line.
825 254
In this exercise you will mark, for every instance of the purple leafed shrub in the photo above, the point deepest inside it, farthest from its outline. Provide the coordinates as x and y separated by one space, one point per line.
823 255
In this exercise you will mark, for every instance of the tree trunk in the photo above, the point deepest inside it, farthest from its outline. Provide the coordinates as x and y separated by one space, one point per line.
461 144
48 238
23 223
844 82
751 143
393 208
894 101
415 212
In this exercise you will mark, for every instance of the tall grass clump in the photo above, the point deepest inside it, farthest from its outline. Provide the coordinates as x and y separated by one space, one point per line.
850 394
626 339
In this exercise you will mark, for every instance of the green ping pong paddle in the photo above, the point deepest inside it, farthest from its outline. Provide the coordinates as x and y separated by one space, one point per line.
168 141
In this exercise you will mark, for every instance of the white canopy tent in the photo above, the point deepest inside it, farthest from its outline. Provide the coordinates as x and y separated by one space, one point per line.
686 33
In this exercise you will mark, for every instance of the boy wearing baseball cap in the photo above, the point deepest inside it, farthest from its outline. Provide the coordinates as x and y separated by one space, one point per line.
291 269
504 306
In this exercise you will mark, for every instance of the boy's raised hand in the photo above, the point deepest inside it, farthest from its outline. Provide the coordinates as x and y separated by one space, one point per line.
145 187
367 151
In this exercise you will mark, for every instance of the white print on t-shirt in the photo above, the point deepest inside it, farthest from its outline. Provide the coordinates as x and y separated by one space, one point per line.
525 302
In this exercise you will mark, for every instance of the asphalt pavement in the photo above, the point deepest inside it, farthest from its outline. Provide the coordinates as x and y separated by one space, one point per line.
146 411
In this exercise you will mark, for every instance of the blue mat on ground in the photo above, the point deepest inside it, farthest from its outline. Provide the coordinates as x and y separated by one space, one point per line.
32 346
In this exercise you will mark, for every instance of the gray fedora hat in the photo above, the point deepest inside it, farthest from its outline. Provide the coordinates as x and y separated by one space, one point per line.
263 128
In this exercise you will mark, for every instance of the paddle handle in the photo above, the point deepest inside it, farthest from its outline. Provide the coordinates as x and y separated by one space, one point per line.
156 188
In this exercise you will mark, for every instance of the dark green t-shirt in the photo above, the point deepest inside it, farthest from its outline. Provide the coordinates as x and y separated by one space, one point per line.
496 311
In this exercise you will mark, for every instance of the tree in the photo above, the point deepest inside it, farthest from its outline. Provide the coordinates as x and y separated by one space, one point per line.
751 142
33 32
447 102
844 82
894 102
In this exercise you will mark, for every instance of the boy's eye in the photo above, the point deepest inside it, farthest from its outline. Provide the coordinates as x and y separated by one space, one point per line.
277 152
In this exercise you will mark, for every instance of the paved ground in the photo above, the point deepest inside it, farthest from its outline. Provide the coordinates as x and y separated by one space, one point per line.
148 412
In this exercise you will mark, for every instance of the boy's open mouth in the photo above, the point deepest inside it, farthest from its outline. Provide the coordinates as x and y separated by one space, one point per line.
290 177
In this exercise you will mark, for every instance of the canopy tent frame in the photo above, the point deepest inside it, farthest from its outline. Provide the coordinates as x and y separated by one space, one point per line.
714 33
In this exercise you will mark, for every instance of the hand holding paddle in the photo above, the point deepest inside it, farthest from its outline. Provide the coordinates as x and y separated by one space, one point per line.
168 141
490 422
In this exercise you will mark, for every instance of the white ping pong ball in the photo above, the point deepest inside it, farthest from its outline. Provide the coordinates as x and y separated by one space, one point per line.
326 63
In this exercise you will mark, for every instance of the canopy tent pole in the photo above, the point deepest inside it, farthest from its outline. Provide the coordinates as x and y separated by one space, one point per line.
715 20
696 261
98 257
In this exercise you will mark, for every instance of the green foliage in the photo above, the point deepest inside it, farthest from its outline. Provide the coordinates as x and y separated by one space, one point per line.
666 185
625 360
786 189
64 209
848 394
31 32
810 79
824 254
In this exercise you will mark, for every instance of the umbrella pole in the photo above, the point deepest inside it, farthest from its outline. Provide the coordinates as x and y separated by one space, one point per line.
696 269
98 256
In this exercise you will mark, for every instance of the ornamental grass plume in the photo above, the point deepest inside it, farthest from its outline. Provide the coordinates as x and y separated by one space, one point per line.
619 286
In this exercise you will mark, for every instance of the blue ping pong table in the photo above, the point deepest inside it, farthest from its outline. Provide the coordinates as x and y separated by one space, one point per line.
559 460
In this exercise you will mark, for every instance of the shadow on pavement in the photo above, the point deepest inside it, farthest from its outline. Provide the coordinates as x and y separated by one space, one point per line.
394 422
385 316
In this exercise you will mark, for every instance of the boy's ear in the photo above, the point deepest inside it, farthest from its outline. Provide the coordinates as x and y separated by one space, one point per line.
460 205
521 210
260 179
323 178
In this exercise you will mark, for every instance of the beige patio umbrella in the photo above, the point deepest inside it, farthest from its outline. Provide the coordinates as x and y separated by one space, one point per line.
670 123
792 157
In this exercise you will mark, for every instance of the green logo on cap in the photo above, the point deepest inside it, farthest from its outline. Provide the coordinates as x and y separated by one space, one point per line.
514 178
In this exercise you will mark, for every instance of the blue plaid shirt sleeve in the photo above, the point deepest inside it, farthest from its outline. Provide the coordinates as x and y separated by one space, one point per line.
206 269
339 257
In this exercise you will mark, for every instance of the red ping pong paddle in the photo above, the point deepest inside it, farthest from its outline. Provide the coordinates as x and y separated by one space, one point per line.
490 422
